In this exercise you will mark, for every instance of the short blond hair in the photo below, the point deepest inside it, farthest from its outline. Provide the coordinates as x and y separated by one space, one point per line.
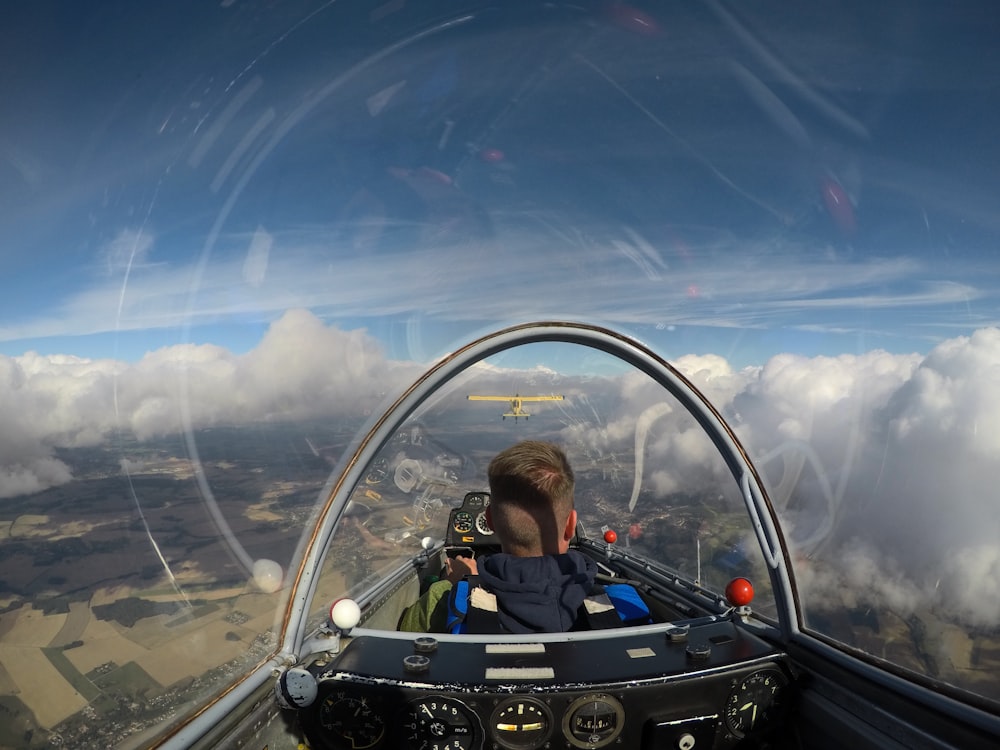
531 484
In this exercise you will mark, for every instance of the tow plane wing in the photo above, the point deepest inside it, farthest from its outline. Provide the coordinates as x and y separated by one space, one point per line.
516 403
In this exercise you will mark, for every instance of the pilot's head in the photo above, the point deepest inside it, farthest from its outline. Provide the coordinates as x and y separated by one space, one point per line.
531 508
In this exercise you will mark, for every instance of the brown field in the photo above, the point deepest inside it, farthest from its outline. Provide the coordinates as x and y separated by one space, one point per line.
39 684
103 643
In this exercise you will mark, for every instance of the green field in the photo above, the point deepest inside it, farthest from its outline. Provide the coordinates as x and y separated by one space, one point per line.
18 728
129 679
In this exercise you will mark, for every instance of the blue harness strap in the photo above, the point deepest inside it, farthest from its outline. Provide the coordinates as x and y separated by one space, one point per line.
629 609
458 605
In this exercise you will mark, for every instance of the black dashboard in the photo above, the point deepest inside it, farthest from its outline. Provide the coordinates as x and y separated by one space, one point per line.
710 685
709 682
468 527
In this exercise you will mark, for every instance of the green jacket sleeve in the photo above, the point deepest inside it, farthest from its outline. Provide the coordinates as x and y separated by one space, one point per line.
429 614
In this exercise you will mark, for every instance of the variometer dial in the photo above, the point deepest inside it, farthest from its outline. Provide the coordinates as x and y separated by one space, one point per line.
439 724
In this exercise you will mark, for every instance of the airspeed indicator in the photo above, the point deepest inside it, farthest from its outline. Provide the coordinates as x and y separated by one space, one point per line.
462 522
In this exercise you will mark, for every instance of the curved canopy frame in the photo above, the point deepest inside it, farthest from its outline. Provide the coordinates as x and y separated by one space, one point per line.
351 470
357 458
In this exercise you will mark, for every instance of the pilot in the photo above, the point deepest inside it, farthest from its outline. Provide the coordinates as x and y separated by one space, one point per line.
536 583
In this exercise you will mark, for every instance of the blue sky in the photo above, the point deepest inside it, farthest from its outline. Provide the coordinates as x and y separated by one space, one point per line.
170 188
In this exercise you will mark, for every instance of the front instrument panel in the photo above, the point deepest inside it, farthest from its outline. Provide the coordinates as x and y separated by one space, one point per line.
468 527
713 685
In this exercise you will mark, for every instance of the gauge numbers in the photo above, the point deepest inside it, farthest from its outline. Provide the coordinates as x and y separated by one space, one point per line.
476 500
462 522
753 701
439 724
482 525
593 721
352 721
521 724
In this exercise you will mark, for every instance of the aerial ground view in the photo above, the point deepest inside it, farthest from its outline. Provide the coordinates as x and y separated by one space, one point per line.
121 599
98 639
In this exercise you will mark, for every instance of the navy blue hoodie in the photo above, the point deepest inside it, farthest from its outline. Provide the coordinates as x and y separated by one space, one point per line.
538 594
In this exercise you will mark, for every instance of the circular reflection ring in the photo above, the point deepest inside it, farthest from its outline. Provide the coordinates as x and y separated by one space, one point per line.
282 129
351 470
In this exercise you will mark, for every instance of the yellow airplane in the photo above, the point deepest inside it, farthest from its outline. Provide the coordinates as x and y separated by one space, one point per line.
515 402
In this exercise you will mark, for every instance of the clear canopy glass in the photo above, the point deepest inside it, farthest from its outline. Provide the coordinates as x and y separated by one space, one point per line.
234 233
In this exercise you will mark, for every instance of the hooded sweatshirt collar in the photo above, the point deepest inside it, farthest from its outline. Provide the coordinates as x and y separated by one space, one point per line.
538 594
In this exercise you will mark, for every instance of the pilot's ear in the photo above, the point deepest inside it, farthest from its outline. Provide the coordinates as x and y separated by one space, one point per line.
570 529
489 518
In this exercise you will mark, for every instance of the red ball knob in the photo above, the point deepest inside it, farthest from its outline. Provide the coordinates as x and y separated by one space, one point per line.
610 536
739 592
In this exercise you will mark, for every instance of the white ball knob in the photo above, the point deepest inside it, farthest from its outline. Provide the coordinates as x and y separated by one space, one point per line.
345 614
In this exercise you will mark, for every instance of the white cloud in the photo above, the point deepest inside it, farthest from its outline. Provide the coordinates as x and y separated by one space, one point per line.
862 577
882 465
300 369
970 584
32 475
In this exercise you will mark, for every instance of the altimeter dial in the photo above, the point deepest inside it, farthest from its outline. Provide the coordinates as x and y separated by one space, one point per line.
482 525
352 721
754 701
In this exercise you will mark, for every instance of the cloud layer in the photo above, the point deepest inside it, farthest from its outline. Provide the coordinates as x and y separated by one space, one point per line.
263 272
882 465
300 369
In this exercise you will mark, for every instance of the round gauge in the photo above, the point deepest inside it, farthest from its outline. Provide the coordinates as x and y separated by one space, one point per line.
753 701
521 724
378 472
352 721
439 724
593 721
462 522
482 525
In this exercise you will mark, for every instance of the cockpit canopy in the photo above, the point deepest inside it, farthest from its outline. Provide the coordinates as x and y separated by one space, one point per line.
659 473
274 280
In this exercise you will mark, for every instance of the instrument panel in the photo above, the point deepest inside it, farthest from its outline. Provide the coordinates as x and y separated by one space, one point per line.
725 688
439 723
468 526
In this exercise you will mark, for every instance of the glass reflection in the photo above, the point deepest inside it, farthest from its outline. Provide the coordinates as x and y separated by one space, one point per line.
232 228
